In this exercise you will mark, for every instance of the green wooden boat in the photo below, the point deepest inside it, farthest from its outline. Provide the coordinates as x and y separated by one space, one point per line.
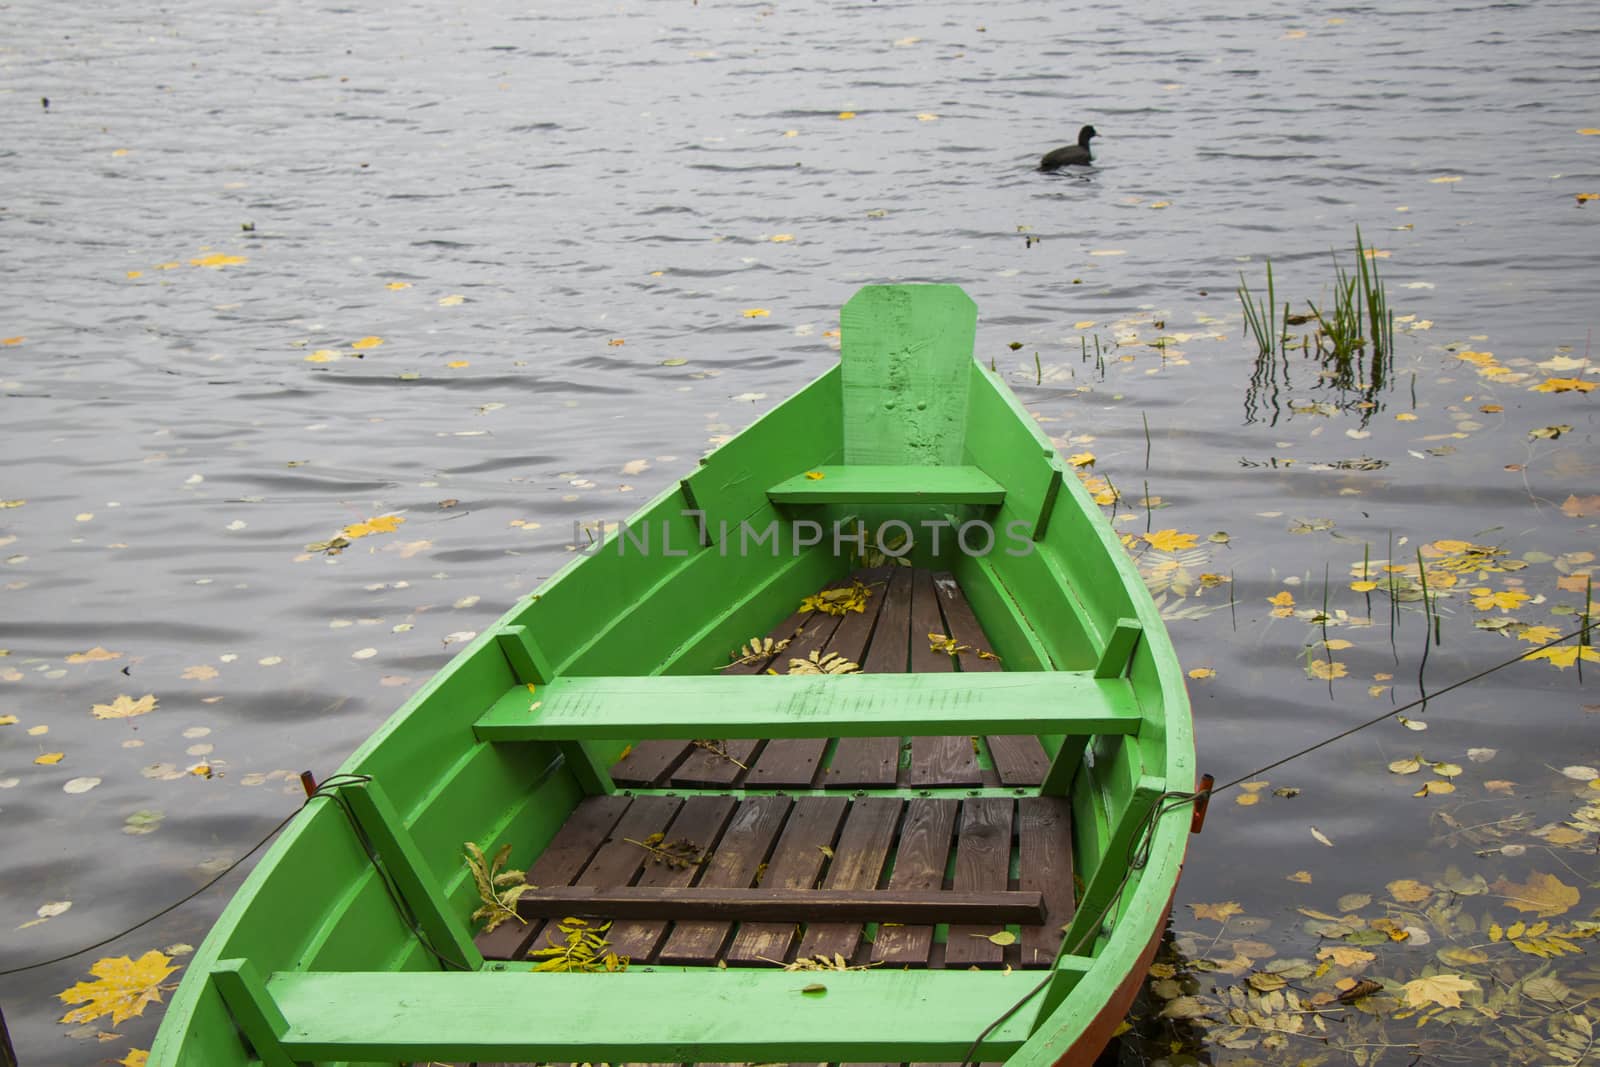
733 851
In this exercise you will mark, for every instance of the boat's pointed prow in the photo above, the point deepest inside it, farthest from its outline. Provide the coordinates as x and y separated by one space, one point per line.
906 361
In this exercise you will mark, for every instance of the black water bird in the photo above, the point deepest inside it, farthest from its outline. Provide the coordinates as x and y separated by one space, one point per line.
1072 154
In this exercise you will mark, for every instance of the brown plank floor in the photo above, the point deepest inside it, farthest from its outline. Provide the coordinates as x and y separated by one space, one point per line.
829 840
834 842
890 636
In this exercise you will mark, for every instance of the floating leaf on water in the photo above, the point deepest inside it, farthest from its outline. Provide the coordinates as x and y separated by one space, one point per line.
1342 956
1442 989
1219 912
1321 837
1170 540
94 655
122 988
381 524
1183 1008
1543 894
1409 891
1581 773
1354 901
1409 765
49 759
1364 988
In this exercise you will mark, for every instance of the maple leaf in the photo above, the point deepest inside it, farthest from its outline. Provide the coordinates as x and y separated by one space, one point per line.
1564 656
1442 989
1081 459
1220 912
1170 540
1345 957
1538 635
1325 670
121 989
1580 507
94 655
1544 894
136 1057
1484 598
1563 385
125 707
199 673
381 524
1409 891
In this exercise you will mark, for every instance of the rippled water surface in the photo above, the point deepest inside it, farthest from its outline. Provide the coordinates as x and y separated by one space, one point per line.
560 219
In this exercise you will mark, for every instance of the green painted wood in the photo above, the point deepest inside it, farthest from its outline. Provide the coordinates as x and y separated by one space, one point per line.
739 1015
815 706
1119 649
906 359
446 929
872 484
1063 766
1103 882
253 1009
1047 506
527 659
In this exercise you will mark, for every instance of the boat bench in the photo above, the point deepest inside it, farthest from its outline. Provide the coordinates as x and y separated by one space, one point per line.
881 484
664 1015
785 706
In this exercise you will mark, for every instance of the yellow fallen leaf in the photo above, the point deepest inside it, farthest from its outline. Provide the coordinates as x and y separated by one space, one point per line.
1344 956
381 524
1563 385
8 720
49 759
1564 656
324 355
1200 673
217 259
1446 179
782 238
1538 635
136 1057
1081 459
1247 800
926 116
1543 894
1590 131
136 274
366 343
1405 416
1218 912
1584 198
1170 540
847 114
1409 891
815 476
122 988
1002 938
457 364
94 655
756 313
452 300
125 707
12 340
199 673
1284 599
1303 877
1325 670
1442 989
398 285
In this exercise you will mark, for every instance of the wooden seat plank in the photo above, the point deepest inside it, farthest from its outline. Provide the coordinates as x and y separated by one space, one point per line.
864 844
935 760
821 907
983 863
735 859
919 863
1044 848
875 761
700 821
795 864
889 484
1019 759
563 858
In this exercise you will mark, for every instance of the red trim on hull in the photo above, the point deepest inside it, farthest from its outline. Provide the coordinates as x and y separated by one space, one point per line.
1097 1035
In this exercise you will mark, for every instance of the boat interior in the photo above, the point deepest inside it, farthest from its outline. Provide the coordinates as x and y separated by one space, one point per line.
926 817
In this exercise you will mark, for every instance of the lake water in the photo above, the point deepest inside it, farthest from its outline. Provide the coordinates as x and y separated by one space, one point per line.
562 221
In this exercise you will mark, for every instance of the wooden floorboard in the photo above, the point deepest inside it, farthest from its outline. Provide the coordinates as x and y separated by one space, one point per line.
1044 851
737 857
796 863
700 823
863 762
935 760
649 762
573 846
858 863
983 862
793 762
920 860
